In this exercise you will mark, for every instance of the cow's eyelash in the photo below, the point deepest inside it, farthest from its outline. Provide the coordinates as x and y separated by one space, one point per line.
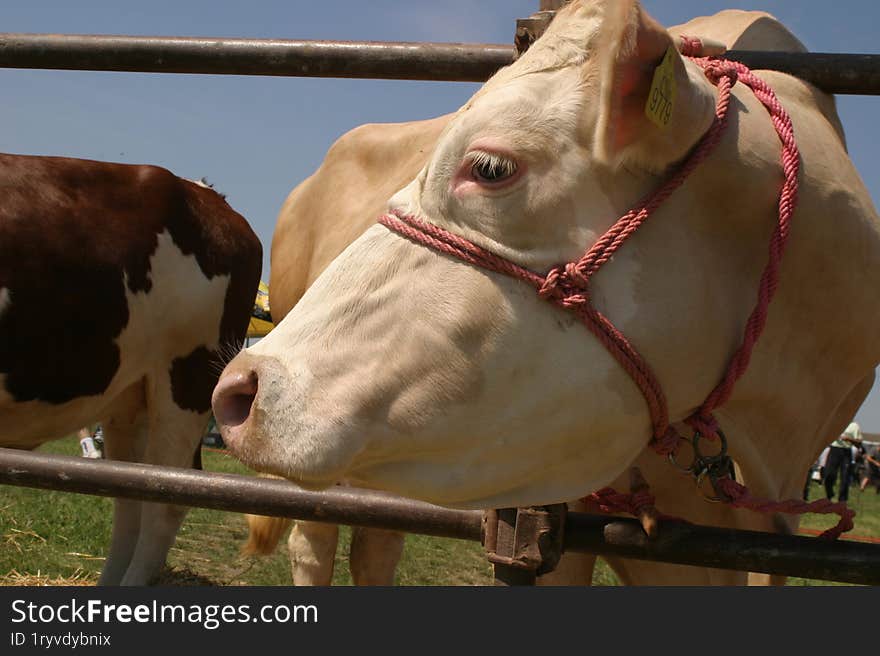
504 166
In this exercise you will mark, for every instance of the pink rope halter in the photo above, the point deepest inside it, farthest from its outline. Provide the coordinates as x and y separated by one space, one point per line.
568 286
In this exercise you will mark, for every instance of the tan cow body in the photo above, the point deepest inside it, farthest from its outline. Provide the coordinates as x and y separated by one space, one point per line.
681 292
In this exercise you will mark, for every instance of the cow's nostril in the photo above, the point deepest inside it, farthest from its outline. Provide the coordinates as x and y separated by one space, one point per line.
234 397
235 409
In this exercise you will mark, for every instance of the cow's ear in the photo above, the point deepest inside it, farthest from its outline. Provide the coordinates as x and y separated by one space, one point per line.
651 109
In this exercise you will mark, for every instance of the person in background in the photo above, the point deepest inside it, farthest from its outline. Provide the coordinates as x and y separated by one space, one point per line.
840 458
92 445
815 473
872 469
820 463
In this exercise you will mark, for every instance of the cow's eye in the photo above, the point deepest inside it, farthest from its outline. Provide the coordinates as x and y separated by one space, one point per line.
489 168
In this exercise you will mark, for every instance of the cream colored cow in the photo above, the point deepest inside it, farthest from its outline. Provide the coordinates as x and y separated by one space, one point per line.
409 371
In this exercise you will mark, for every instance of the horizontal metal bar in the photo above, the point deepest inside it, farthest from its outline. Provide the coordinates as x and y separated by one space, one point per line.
834 73
849 562
723 548
345 59
249 494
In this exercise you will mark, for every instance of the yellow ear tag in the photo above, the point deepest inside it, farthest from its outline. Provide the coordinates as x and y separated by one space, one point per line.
661 99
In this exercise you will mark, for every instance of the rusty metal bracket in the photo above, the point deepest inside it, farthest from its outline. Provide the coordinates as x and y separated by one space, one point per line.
528 30
523 543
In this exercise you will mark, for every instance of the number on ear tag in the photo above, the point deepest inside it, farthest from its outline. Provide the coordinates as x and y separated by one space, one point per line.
661 99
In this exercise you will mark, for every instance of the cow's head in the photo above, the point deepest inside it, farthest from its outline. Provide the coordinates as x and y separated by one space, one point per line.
407 370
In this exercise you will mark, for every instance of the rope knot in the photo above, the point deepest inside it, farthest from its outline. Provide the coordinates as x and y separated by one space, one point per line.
567 285
641 501
575 277
690 46
704 423
550 288
667 444
716 69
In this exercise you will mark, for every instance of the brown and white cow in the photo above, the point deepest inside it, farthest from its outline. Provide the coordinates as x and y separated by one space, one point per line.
120 286
403 369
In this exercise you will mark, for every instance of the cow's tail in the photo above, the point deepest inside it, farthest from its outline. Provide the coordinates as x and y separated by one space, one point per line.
264 534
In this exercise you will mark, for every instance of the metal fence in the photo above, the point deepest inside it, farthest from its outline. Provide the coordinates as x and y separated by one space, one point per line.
451 62
677 542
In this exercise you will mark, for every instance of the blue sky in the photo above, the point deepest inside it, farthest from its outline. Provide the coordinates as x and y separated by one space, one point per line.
256 138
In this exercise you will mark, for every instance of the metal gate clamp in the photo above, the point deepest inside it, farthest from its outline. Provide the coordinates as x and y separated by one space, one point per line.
531 539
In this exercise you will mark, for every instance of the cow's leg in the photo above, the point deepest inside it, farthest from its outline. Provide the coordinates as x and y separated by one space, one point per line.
125 432
174 436
573 568
768 488
641 572
374 555
312 550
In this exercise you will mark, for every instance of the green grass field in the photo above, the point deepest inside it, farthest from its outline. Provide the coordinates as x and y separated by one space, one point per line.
53 537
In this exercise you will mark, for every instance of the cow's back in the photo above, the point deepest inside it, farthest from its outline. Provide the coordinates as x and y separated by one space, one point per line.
757 30
742 30
330 209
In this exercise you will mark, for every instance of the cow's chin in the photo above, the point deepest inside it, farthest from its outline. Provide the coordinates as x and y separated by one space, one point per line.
276 467
454 487
456 478
292 457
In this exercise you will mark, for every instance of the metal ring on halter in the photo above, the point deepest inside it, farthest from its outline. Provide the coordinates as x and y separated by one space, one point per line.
684 470
700 462
708 460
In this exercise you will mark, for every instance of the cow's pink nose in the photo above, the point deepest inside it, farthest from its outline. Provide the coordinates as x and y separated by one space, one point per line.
233 398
